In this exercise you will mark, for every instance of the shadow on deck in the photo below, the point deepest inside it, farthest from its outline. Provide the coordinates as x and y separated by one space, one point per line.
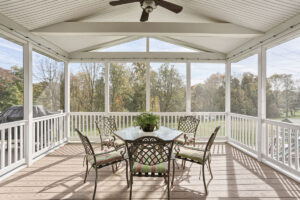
60 175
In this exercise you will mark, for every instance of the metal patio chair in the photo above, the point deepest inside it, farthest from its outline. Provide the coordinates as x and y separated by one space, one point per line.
199 156
106 127
151 157
98 161
188 125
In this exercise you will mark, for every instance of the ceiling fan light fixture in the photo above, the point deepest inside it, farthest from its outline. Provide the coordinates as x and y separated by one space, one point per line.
148 5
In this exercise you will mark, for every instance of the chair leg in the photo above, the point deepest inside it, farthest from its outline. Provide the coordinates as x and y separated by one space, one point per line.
96 180
168 186
209 167
177 165
173 173
86 171
127 173
131 182
112 167
203 176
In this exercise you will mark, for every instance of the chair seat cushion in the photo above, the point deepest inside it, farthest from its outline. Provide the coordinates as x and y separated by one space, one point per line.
119 143
161 168
192 154
106 158
181 140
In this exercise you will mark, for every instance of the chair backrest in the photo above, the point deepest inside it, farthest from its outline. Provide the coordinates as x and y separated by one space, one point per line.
89 151
106 126
188 124
211 140
149 151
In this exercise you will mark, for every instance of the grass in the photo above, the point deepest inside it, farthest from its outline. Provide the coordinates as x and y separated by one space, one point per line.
204 128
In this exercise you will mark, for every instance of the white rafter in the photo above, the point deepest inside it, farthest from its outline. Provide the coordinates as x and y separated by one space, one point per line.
109 44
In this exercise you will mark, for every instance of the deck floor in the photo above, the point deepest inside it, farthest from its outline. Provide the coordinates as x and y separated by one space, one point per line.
60 175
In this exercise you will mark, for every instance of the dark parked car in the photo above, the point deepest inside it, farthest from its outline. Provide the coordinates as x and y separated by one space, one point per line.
16 113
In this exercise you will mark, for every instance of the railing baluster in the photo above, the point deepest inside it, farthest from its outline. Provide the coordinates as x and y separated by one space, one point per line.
297 149
15 144
277 143
3 141
272 142
9 147
289 146
283 145
21 142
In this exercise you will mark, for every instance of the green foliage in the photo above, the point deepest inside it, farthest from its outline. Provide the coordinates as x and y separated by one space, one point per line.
167 90
147 121
11 87
210 95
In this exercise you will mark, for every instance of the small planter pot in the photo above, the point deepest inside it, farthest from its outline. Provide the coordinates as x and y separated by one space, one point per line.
149 128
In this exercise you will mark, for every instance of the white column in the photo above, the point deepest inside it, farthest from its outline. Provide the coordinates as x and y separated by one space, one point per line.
28 113
148 88
227 99
147 44
67 99
188 87
107 66
262 69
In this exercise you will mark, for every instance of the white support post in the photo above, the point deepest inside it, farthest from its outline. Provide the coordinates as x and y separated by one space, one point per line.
188 87
148 98
107 66
227 100
28 115
261 102
67 100
147 44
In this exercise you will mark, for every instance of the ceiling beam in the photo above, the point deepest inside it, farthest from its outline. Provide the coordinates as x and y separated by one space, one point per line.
148 29
146 56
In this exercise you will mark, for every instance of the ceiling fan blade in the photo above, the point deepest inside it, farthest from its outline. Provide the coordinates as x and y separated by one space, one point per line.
145 16
121 2
170 6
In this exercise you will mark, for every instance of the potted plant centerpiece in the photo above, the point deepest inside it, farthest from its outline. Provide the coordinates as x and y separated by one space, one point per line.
147 122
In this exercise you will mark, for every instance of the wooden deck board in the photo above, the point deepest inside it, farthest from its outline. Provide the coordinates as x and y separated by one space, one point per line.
236 176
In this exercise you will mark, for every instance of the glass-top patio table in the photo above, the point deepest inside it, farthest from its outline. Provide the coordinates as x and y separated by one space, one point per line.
133 133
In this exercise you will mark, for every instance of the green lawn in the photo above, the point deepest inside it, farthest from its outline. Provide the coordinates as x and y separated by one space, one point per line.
204 129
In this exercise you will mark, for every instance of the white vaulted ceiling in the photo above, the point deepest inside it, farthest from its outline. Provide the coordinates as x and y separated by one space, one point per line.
257 15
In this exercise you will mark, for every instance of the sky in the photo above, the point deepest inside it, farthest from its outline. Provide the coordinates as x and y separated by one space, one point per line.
284 58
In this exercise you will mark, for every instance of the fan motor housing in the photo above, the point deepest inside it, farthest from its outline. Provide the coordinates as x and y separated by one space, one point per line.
148 5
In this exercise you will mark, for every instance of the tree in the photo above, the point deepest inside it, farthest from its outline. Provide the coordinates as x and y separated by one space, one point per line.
210 95
168 89
11 87
48 78
87 88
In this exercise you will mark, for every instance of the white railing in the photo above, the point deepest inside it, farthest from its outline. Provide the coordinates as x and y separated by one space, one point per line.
12 146
244 131
86 122
282 145
48 133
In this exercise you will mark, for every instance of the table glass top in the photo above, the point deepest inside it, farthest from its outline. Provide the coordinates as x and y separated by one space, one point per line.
133 133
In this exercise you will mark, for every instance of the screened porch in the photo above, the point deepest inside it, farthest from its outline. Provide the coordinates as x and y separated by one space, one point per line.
233 64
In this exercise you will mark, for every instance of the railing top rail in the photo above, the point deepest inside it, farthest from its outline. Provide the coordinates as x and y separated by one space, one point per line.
243 116
157 113
282 124
48 117
12 124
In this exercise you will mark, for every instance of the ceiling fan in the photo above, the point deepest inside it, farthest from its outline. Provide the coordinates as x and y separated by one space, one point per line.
149 5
